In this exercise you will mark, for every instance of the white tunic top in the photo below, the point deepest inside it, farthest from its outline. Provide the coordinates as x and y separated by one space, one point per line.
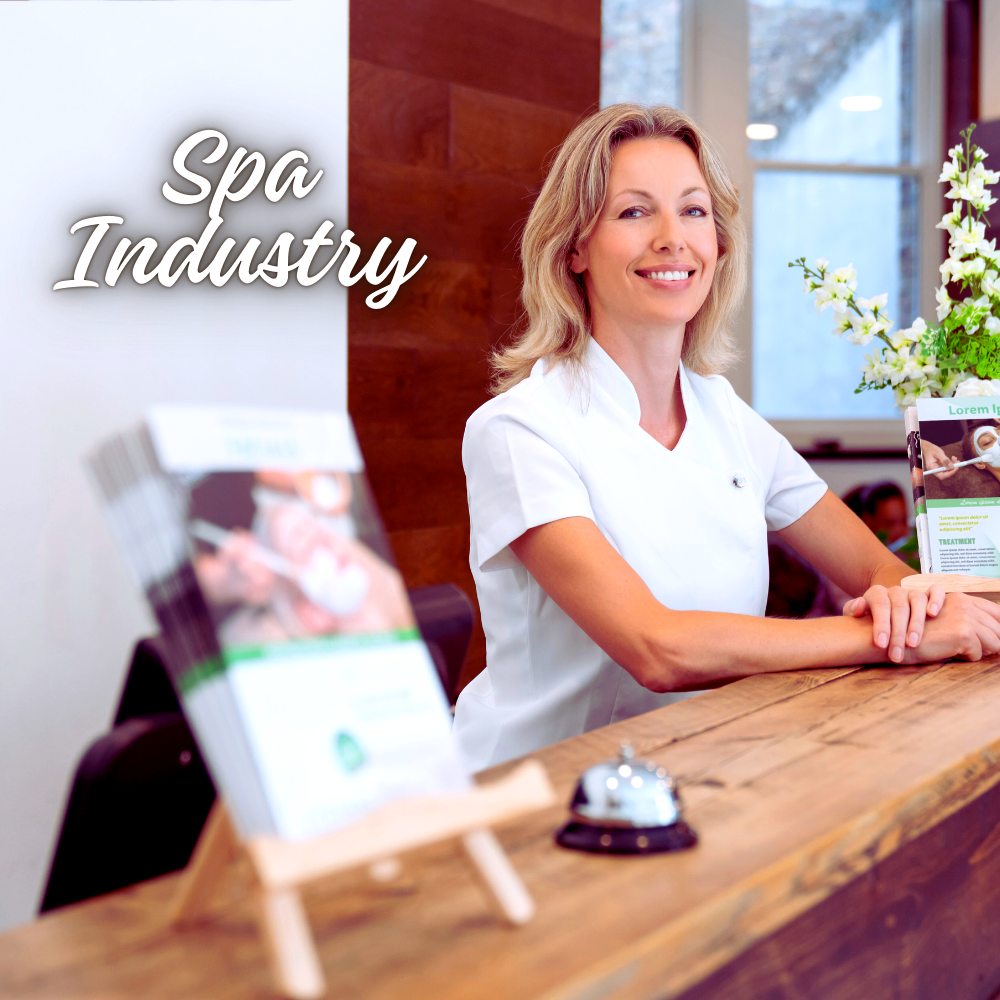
691 521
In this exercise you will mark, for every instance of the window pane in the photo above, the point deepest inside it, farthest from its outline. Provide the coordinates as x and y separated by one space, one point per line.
641 52
834 77
801 370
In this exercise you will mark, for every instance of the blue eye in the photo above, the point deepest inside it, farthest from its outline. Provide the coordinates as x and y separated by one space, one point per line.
627 214
701 213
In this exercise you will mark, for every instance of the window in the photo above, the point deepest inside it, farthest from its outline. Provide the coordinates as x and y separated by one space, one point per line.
833 79
846 168
641 52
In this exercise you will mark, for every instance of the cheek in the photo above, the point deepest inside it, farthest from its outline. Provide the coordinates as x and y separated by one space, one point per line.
610 252
709 252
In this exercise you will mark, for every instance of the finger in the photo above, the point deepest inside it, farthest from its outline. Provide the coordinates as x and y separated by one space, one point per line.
880 607
856 608
987 607
915 628
984 619
899 617
935 599
988 641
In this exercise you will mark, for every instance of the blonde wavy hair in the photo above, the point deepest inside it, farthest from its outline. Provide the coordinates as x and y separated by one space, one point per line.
556 324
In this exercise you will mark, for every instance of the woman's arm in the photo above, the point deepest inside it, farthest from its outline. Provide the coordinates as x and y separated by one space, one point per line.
668 650
839 544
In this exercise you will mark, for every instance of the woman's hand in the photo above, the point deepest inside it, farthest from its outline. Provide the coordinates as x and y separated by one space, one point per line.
966 626
898 615
935 458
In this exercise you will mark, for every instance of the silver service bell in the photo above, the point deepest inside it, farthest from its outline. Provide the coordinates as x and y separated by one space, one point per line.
626 806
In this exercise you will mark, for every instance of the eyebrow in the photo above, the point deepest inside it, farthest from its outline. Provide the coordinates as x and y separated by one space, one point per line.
646 194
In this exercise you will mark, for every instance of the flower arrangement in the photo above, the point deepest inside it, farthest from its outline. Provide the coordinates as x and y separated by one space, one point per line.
960 355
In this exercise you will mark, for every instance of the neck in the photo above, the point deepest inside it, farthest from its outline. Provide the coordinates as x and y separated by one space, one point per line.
651 361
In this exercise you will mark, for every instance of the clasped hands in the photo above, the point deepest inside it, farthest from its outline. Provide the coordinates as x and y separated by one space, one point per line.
914 627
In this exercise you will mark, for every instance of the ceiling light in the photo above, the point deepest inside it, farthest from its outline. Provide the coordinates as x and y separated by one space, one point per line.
861 103
762 131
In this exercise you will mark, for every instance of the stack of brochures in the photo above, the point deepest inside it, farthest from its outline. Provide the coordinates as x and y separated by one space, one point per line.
291 640
954 451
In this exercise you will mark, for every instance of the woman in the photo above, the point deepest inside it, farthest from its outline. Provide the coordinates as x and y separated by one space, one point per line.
882 508
620 492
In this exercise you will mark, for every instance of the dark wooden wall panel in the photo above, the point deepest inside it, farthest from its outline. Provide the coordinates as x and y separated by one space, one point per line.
455 108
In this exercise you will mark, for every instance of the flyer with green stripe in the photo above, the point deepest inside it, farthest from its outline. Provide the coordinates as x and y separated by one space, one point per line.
960 452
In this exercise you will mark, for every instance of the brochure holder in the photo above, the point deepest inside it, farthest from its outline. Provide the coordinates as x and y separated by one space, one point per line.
956 583
281 867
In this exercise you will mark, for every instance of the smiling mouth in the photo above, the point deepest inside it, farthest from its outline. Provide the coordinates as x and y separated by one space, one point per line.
665 275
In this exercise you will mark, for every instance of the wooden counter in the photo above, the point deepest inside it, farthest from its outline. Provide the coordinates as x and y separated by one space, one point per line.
850 848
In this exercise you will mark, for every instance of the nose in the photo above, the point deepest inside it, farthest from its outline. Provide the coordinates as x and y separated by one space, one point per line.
669 234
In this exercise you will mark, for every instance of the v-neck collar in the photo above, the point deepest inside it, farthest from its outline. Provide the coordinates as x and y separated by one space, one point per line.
605 372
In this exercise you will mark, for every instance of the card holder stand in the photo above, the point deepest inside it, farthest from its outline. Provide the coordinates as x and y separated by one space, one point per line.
956 583
281 867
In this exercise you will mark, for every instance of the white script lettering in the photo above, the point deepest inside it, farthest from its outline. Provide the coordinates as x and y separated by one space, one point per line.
240 177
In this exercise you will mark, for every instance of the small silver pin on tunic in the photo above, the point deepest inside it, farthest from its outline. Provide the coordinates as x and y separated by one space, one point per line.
739 480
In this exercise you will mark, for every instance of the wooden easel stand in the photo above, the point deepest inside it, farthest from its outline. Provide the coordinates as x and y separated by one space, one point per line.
281 867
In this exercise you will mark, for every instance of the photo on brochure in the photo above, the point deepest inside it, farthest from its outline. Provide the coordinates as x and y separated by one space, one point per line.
286 555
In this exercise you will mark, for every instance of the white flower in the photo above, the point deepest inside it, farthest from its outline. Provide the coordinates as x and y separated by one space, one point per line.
824 297
992 325
944 303
822 265
875 304
950 379
950 219
950 270
968 238
841 318
978 387
871 370
846 276
909 336
950 170
908 392
980 173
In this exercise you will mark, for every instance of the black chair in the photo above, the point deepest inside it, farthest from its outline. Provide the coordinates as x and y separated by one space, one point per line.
140 797
141 793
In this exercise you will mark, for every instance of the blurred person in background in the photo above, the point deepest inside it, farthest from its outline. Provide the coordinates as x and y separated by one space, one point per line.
797 590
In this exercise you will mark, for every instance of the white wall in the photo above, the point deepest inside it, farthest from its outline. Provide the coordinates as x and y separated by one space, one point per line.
96 98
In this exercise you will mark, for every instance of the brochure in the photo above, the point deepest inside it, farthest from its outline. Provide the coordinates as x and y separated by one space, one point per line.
293 645
963 501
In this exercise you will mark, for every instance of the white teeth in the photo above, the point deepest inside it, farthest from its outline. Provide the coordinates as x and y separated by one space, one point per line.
668 275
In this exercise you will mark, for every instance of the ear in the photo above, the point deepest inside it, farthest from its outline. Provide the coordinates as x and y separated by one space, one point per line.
580 259
979 465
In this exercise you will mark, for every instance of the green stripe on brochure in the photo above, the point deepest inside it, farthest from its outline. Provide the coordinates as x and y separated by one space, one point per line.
965 502
216 666
318 644
200 673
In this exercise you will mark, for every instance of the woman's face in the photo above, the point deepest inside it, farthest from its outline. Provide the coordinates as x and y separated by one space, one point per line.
651 257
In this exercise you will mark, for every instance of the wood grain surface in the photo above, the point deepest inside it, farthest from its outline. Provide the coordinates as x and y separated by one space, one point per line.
455 107
849 821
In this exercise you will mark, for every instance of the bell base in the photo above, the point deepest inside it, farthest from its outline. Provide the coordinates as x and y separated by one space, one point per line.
627 839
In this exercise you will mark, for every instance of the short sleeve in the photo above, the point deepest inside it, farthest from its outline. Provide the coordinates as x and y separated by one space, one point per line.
791 487
520 472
